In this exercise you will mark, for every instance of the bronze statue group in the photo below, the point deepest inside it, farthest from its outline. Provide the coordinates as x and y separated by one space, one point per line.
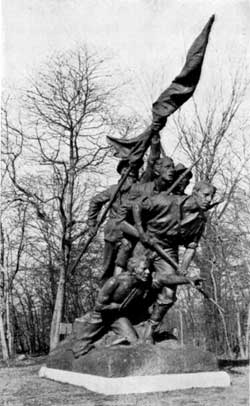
150 217
148 222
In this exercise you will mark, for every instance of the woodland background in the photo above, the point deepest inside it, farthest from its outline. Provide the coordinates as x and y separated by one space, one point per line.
55 157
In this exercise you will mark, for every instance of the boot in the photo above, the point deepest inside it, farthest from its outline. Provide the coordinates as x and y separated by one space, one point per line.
159 311
149 331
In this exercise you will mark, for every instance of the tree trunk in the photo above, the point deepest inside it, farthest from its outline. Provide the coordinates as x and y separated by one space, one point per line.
66 248
2 327
215 295
239 336
181 328
247 341
3 338
58 311
9 322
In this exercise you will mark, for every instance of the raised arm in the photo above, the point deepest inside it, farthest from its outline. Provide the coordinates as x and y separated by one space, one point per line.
155 153
191 247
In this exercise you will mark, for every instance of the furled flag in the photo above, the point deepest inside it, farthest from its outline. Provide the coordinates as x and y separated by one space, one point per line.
180 90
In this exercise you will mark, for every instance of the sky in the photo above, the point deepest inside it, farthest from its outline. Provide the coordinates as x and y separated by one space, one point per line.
142 35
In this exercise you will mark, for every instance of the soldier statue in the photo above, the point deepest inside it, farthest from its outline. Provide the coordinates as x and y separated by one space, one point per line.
112 234
164 174
170 221
114 300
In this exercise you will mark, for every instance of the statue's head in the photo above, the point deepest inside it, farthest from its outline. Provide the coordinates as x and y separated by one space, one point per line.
184 182
164 168
203 193
139 265
123 166
133 175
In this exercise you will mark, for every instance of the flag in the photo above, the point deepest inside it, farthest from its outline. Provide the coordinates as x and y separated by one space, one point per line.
132 149
122 146
184 85
180 90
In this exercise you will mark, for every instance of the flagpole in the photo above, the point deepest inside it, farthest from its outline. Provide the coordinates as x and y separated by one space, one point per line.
168 102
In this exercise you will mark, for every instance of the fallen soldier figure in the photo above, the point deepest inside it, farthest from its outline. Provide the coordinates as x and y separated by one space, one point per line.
110 312
123 300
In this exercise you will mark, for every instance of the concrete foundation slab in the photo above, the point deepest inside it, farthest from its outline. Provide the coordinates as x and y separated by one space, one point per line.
138 384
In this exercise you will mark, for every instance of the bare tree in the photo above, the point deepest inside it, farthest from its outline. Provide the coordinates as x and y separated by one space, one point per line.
216 138
68 111
13 239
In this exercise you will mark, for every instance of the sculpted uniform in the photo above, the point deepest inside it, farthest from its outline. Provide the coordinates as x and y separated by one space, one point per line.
112 234
172 221
138 191
164 168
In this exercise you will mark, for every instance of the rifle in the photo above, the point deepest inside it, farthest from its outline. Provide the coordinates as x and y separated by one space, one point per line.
215 204
131 230
128 299
167 258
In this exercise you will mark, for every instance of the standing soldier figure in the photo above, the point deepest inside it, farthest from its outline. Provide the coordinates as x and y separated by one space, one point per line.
164 173
171 221
112 234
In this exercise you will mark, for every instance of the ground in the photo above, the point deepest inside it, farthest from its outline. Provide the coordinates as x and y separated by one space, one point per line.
21 386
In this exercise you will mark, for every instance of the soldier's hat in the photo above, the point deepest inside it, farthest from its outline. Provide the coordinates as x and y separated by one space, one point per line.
124 163
180 168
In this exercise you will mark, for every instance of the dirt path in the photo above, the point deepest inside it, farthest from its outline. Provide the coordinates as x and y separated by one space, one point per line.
21 386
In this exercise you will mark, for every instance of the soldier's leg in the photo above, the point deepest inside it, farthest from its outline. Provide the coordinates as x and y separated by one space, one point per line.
125 250
166 296
163 303
165 300
124 328
109 255
87 330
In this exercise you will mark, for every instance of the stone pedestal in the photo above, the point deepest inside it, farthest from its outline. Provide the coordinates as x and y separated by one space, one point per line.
167 357
136 368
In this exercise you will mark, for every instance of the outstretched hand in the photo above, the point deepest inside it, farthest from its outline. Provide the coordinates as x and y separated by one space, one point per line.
114 306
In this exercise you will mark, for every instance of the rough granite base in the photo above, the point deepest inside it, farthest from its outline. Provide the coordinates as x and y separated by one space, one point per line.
166 357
